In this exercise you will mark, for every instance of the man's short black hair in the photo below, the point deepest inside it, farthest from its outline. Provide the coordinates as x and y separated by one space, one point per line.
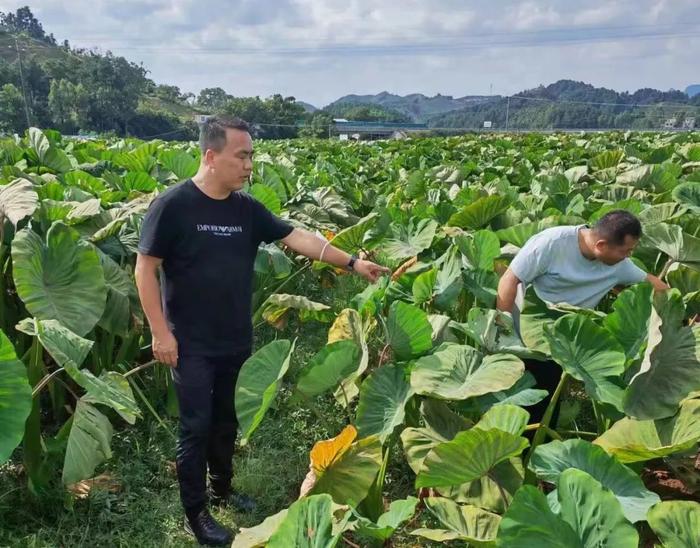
212 132
616 225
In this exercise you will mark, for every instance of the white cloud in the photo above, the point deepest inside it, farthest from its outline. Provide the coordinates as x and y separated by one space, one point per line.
318 50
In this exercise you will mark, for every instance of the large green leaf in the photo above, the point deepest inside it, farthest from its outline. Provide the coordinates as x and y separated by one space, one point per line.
456 372
688 194
687 281
551 459
534 317
509 418
258 382
480 249
480 212
411 241
593 512
466 523
631 440
88 443
257 537
442 424
399 511
529 522
70 350
494 491
494 332
410 333
67 348
424 286
629 320
180 163
48 155
383 397
482 284
308 524
348 478
349 325
675 243
590 354
61 280
519 234
676 523
329 367
469 456
671 366
523 393
142 158
15 398
266 196
18 200
590 517
121 298
351 239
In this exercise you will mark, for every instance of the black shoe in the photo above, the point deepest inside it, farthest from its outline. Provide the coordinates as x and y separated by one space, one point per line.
207 530
239 501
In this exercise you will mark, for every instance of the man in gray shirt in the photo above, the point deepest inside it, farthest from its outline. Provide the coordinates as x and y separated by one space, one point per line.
576 265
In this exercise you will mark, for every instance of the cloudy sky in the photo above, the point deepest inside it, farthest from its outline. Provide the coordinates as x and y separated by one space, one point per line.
319 50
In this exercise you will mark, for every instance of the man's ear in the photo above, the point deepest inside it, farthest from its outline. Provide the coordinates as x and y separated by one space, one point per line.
600 245
208 158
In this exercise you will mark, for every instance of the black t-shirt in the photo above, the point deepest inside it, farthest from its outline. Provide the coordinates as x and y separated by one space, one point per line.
208 248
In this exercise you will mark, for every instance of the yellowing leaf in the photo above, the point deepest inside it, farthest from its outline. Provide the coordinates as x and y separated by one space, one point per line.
326 452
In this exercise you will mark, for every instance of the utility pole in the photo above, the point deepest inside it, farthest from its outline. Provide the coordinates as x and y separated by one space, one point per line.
21 79
507 111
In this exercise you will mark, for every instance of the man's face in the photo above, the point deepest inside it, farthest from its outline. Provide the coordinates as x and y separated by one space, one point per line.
611 254
234 164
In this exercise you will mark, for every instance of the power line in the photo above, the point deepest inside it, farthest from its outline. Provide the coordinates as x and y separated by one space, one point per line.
21 79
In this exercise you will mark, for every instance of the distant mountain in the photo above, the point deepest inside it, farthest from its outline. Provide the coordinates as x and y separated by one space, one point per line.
415 106
692 91
570 104
307 107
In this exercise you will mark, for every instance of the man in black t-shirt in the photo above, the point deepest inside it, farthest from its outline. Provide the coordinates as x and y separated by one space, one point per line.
204 235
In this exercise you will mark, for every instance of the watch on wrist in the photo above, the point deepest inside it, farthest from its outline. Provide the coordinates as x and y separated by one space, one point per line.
351 264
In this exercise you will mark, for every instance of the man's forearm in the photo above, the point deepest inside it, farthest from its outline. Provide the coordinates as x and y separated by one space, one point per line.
505 299
311 246
149 294
507 291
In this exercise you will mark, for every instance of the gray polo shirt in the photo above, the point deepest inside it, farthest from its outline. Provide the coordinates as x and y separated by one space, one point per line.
553 263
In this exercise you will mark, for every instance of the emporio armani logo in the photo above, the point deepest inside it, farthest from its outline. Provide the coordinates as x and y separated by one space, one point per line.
220 230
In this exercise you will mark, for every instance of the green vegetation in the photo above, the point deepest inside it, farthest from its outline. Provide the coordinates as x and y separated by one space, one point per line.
412 386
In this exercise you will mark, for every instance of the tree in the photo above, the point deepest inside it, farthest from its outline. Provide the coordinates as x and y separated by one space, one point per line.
12 117
213 98
23 20
68 105
317 125
115 86
168 93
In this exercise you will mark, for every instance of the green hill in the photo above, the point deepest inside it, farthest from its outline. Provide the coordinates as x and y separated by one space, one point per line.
416 106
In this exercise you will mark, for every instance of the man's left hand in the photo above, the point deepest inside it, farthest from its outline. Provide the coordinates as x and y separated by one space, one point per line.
369 270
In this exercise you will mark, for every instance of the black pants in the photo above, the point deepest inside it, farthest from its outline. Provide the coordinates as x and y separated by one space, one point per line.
205 391
547 374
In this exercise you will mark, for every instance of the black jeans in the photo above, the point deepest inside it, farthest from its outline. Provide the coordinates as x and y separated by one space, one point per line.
205 388
547 374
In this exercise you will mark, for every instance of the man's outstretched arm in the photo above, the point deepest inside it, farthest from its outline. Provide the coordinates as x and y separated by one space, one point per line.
310 245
